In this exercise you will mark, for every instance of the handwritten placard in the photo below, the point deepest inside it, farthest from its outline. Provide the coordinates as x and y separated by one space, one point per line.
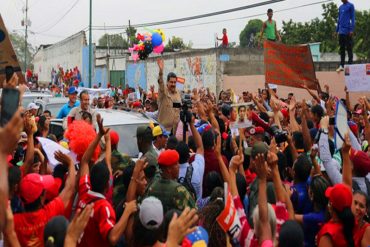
357 77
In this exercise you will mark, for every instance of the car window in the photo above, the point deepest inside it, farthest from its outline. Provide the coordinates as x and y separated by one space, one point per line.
26 101
54 108
127 138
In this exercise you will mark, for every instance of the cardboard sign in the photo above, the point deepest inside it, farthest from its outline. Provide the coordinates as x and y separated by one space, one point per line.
229 218
357 77
341 125
7 56
289 65
50 147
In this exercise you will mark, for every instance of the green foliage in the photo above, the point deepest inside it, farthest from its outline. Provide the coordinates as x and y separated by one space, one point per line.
131 33
252 28
324 31
18 43
177 43
113 40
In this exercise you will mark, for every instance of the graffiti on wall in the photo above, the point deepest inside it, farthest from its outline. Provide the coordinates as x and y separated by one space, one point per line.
198 71
136 76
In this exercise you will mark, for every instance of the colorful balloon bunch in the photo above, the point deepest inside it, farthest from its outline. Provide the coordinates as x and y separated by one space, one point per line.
149 42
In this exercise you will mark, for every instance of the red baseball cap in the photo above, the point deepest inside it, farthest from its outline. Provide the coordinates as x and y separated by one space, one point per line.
168 158
360 161
32 186
114 137
136 104
340 196
256 130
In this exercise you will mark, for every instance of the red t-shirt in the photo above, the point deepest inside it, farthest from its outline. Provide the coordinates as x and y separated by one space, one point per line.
359 234
103 216
335 231
30 226
225 40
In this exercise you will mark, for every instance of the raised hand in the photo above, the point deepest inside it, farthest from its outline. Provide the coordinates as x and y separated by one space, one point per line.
102 131
261 166
181 226
77 225
9 135
130 207
160 64
346 144
63 158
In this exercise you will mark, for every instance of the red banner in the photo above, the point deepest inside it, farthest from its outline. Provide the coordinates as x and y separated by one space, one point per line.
289 65
7 56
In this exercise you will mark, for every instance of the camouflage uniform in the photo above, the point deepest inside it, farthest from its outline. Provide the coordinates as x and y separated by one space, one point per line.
151 157
119 162
172 194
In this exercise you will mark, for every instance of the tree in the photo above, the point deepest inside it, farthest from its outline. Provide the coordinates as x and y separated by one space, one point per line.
250 34
323 30
18 42
131 35
177 43
113 40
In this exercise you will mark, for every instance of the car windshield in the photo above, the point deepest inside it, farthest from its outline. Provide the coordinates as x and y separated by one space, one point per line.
127 139
54 108
26 101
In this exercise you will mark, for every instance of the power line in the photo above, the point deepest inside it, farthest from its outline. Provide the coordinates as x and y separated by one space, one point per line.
199 16
61 18
249 16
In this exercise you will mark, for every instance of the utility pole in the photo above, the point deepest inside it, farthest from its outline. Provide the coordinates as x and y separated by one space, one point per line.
25 38
129 34
90 44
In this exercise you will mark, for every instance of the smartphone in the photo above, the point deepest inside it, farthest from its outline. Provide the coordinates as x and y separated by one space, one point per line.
9 72
9 104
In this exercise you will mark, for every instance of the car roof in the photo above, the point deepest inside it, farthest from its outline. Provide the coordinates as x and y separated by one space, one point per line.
37 95
118 117
53 100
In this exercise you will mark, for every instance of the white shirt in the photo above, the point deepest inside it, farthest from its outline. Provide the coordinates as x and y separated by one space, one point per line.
198 172
158 151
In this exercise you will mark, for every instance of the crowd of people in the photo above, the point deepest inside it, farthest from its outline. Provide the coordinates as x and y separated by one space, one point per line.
265 163
290 186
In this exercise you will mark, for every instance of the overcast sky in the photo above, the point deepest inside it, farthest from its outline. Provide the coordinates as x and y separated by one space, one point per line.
45 13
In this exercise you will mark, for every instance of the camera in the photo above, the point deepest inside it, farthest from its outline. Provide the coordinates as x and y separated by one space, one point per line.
185 105
280 135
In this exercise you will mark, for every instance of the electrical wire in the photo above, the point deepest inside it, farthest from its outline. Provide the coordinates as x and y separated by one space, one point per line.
203 23
60 19
198 16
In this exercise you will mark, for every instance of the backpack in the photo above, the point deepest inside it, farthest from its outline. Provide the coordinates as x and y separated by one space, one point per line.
186 181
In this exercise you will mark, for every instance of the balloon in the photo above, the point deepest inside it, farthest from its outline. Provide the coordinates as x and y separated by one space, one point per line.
160 31
143 55
140 37
156 39
135 57
148 48
158 49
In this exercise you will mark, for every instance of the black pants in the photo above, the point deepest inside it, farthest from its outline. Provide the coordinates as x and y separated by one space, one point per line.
345 42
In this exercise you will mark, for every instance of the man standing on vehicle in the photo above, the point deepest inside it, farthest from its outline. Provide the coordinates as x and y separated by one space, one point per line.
72 103
168 116
77 112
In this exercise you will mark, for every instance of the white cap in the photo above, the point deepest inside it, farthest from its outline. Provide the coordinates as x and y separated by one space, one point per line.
151 213
32 106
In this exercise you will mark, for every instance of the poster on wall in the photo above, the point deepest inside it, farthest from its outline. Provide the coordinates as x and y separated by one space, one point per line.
136 76
357 77
289 65
8 56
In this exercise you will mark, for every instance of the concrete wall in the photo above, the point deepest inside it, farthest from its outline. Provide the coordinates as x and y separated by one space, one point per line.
66 53
251 84
199 69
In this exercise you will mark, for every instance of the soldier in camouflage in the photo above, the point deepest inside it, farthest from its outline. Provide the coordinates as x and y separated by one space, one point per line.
172 194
